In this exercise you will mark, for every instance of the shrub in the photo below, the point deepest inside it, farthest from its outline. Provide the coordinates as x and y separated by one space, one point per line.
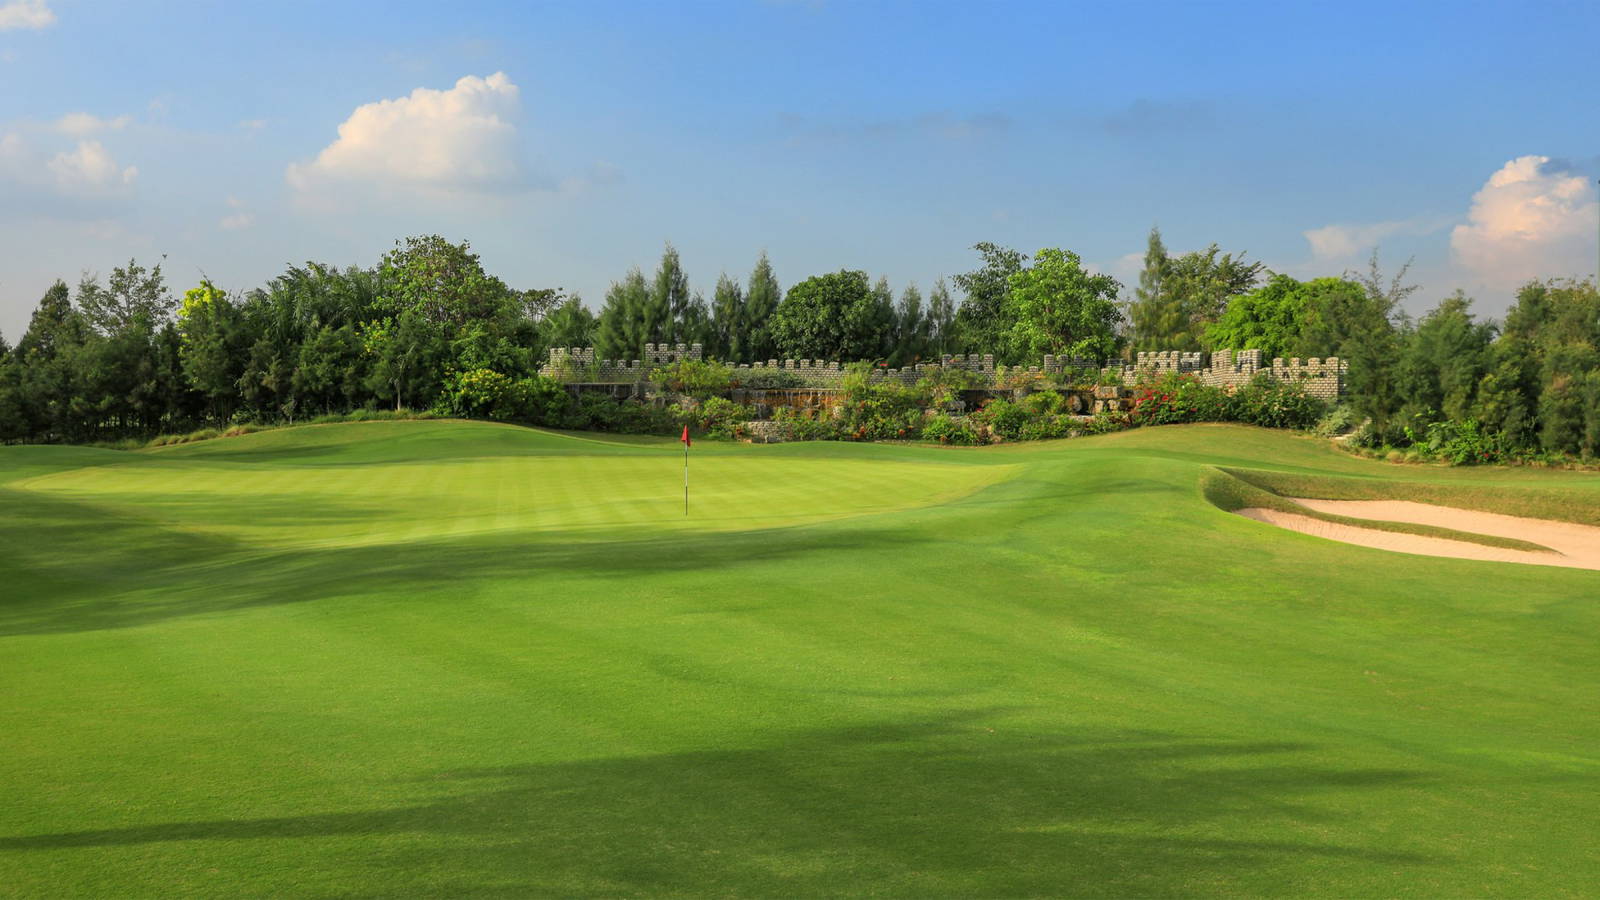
1271 403
1174 398
879 411
1339 420
601 412
941 386
1105 422
476 394
720 417
809 425
697 378
1003 418
1462 443
947 429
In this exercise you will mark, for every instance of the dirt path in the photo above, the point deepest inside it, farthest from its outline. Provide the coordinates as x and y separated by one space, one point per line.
1571 545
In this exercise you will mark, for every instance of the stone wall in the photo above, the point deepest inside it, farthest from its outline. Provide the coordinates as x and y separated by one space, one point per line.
1323 378
579 363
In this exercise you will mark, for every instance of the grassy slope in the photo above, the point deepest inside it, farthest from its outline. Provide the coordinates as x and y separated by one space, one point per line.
446 658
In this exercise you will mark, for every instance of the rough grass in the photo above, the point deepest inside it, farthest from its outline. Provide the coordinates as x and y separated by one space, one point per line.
1559 503
1236 489
456 659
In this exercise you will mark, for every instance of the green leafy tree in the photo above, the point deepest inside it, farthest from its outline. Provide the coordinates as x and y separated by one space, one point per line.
211 349
1443 360
328 373
569 325
831 317
981 324
47 353
1356 322
443 285
1203 282
13 416
1058 307
405 358
132 293
1269 318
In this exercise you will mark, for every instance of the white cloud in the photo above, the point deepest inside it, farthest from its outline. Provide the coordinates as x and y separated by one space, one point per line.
87 168
20 14
1531 220
461 139
1336 242
239 219
84 124
253 125
86 171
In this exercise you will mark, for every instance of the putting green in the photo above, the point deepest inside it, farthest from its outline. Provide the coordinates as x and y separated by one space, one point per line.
447 658
398 482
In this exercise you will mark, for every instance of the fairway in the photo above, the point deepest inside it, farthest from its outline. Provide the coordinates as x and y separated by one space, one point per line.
448 658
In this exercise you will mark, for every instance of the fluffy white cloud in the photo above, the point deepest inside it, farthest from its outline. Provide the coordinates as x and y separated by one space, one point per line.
21 14
461 139
1531 220
1336 242
85 171
88 168
84 124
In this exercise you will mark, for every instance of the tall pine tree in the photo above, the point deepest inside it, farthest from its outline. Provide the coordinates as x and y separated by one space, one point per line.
941 318
728 321
670 299
761 300
628 320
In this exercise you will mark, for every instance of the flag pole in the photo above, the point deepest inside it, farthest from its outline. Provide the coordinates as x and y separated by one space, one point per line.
686 478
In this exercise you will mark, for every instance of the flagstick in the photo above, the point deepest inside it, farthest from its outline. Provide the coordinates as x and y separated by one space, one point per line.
686 478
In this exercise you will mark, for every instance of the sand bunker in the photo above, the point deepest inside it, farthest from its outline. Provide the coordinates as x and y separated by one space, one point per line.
1571 545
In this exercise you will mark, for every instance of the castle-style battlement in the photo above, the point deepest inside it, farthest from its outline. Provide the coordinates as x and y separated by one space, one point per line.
1323 378
579 363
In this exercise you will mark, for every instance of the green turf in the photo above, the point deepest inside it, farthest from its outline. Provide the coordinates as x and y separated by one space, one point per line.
446 659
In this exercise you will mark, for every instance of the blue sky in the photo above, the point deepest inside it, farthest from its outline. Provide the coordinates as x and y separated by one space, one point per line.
568 141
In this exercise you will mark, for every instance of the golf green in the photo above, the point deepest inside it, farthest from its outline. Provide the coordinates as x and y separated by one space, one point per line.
450 659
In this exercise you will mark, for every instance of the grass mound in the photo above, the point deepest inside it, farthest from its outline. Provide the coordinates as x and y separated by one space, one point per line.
449 659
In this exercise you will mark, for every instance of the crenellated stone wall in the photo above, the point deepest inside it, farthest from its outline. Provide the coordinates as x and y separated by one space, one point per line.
579 363
1323 378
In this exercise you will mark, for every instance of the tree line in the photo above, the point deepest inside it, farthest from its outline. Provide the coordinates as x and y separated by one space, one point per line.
122 357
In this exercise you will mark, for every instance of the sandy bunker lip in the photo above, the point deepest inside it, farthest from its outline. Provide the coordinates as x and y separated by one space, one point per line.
1571 545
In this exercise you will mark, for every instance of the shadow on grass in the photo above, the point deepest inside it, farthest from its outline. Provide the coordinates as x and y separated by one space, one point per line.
73 567
947 806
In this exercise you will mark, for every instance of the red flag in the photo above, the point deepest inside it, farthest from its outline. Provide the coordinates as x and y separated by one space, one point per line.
685 438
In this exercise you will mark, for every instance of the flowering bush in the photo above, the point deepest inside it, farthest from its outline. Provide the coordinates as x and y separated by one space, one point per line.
1174 398
1271 403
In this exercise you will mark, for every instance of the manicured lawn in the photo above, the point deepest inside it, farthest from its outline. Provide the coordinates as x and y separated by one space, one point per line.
443 658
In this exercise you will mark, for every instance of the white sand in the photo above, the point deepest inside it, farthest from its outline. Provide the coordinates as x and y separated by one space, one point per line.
1571 545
